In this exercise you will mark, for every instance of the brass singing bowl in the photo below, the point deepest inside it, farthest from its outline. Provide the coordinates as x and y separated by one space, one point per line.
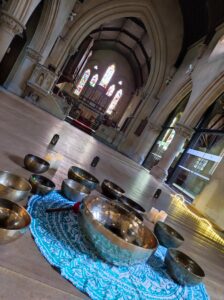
14 221
182 268
35 164
13 187
111 190
73 190
41 185
117 235
167 236
83 177
132 204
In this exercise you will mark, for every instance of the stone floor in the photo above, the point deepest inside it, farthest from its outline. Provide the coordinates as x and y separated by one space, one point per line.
24 273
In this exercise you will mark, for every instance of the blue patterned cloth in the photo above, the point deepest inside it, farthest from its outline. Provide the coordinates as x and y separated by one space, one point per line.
60 241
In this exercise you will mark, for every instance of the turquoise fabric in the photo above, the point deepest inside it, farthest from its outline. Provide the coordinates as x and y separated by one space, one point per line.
59 239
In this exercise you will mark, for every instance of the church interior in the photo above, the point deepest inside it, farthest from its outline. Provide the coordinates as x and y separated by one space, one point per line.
112 149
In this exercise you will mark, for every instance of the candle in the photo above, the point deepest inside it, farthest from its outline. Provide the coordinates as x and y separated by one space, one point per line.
152 214
161 216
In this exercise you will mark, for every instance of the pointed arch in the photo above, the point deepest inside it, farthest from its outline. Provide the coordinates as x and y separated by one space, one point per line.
107 76
110 90
114 102
82 82
94 80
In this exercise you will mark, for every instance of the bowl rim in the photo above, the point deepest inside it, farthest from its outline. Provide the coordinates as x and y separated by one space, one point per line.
41 160
44 178
23 209
20 177
173 251
66 180
93 178
142 210
119 190
166 226
103 229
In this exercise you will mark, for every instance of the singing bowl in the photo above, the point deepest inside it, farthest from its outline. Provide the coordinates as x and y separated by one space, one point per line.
13 187
167 236
111 190
73 190
117 235
35 164
41 185
14 221
182 268
83 177
132 204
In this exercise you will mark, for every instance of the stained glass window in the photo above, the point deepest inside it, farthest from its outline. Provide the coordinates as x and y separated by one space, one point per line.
82 82
107 76
110 90
93 80
114 102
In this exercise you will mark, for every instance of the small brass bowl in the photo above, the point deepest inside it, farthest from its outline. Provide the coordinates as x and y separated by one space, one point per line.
13 187
116 234
35 164
73 190
111 190
14 221
83 177
182 268
167 236
41 185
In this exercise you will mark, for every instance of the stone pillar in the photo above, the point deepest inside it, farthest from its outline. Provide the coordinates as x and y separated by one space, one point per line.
210 201
9 27
160 171
17 84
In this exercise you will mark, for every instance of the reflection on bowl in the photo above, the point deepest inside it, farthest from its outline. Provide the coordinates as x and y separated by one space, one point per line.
73 190
41 185
111 190
13 187
117 234
14 221
167 236
83 177
35 164
182 268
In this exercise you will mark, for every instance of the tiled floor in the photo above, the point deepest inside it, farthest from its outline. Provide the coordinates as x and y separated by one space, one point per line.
24 273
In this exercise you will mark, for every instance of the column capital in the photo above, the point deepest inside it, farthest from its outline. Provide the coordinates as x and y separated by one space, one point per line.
33 54
184 130
11 23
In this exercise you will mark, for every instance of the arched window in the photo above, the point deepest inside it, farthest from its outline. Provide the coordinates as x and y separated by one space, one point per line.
82 82
94 80
107 76
114 102
110 90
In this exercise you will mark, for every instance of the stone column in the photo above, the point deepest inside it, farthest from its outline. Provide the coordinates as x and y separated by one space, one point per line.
18 83
9 27
160 171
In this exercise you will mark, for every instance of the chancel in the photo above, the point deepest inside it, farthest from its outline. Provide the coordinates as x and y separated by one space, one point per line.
112 149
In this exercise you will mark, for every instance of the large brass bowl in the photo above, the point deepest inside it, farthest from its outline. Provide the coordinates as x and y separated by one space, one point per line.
167 236
83 177
182 268
41 185
118 236
14 221
35 164
73 190
13 187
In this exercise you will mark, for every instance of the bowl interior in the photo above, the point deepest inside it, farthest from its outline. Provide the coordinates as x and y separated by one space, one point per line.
112 186
121 222
42 180
132 204
13 216
185 261
83 175
13 181
169 230
75 186
30 158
